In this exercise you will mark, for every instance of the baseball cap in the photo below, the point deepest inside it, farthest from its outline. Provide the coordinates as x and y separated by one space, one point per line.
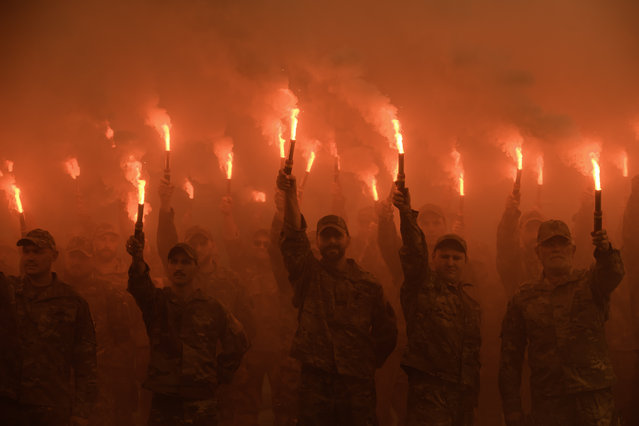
80 244
332 221
183 248
454 238
531 216
553 228
38 237
197 230
105 229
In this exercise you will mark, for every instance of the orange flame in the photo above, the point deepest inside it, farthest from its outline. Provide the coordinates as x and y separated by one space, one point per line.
461 184
624 170
596 171
229 165
141 188
399 139
167 136
309 163
73 168
133 173
459 171
520 157
373 184
188 188
18 201
258 196
294 113
540 170
282 144
109 133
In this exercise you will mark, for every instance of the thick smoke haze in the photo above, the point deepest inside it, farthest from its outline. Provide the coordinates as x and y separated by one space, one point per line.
456 74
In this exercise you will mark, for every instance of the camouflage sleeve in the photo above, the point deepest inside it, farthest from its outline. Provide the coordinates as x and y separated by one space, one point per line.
513 348
275 255
298 260
508 250
143 290
9 355
234 346
84 363
414 258
383 329
389 245
607 273
166 235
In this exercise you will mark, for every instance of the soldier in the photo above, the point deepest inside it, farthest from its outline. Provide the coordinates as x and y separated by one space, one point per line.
516 241
560 318
118 390
9 356
184 326
442 324
106 262
346 327
57 383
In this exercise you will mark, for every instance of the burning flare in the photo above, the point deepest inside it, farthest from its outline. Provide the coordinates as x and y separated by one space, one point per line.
166 130
294 113
282 145
258 196
520 157
596 171
18 200
72 167
399 140
109 133
373 185
309 163
459 172
540 170
141 188
461 184
624 164
229 165
188 188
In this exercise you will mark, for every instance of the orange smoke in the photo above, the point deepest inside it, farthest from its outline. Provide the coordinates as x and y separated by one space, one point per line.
596 171
17 199
282 144
540 170
159 118
310 161
72 167
9 165
373 185
399 139
294 113
133 174
258 196
625 165
109 133
188 188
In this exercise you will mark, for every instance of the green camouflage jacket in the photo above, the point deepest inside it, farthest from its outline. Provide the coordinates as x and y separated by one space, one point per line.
184 337
346 325
57 341
563 328
442 320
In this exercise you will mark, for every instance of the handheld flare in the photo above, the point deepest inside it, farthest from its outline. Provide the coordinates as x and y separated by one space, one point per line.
520 164
167 151
596 175
288 166
399 141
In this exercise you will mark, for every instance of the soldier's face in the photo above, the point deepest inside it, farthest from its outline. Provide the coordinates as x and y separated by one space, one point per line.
36 261
433 226
78 264
449 264
204 247
528 234
260 247
332 244
556 255
105 247
181 269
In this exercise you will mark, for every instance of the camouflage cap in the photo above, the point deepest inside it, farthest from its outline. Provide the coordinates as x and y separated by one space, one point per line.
80 244
332 221
531 216
197 230
452 238
105 229
432 209
38 237
553 228
183 248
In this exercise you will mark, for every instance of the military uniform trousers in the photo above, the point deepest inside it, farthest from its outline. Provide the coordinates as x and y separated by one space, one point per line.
594 408
331 399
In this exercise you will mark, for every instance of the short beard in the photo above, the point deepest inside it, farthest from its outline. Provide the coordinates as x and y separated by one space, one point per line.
330 257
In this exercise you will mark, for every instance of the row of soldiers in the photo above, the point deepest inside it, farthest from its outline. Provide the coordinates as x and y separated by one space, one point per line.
321 328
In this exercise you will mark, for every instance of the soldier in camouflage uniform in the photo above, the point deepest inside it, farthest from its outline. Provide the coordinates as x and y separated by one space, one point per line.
560 319
118 388
517 261
442 324
9 356
184 326
346 327
57 382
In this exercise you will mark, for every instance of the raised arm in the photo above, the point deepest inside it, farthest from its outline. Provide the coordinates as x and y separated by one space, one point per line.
608 270
140 285
166 234
508 250
231 234
388 241
84 363
513 347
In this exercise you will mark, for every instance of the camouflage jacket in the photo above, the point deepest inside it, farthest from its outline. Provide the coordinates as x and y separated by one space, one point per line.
57 342
345 324
442 320
514 265
563 328
10 353
183 337
389 243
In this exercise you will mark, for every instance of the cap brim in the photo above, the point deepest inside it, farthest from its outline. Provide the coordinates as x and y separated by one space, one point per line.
27 241
554 236
339 228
